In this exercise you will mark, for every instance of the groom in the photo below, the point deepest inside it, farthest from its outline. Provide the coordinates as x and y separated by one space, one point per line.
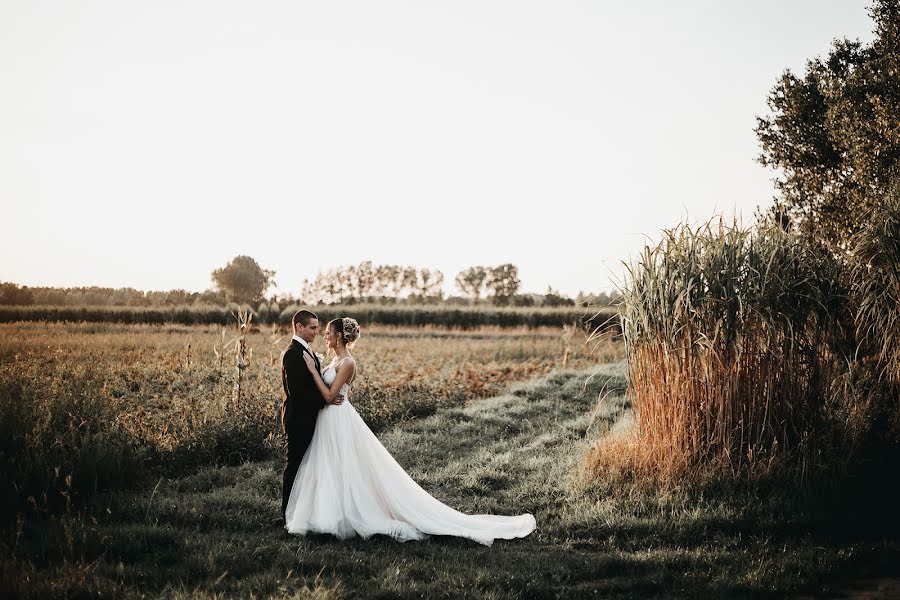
301 399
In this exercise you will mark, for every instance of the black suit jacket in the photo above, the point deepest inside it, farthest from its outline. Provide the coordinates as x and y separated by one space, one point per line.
301 398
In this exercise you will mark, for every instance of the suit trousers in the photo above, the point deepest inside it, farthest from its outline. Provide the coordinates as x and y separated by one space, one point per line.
298 439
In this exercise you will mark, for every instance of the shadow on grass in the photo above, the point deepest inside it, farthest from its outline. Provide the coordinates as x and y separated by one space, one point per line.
214 532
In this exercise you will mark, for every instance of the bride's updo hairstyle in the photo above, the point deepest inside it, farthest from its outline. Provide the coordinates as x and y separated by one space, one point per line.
347 328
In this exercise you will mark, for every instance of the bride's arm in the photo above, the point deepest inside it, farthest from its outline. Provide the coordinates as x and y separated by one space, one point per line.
344 372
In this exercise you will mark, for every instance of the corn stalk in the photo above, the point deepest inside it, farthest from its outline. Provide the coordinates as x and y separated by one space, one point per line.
243 355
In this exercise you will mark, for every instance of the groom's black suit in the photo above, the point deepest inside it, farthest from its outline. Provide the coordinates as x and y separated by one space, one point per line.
300 407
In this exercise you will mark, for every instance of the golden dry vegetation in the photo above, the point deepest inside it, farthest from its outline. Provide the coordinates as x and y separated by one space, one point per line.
165 372
168 390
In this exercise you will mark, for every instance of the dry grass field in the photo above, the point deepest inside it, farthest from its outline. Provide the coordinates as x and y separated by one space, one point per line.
168 378
209 532
91 407
128 470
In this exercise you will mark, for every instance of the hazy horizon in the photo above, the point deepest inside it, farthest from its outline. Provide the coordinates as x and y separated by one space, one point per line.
145 145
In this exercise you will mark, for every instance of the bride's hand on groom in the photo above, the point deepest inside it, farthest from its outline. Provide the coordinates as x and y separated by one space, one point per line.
310 364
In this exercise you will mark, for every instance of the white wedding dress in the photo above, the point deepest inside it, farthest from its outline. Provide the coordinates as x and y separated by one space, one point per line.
348 484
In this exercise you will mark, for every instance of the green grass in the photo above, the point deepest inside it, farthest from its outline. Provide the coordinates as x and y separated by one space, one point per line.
211 534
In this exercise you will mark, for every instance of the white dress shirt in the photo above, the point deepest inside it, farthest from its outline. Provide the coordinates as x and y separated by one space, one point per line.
302 342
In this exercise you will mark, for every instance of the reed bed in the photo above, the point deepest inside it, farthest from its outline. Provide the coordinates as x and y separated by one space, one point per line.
729 340
876 286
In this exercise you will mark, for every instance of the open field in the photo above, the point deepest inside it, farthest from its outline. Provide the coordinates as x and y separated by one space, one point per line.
88 408
209 534
169 377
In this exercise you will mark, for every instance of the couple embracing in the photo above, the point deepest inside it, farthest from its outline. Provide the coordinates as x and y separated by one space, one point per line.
339 479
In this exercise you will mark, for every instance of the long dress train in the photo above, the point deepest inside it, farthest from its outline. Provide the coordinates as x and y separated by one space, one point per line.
348 484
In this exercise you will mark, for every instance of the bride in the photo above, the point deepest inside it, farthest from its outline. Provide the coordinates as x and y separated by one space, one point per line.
348 483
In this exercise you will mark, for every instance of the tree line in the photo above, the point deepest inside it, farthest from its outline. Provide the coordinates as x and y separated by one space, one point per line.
243 281
12 294
367 282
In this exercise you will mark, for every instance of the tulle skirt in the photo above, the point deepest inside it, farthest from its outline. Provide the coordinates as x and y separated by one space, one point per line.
348 484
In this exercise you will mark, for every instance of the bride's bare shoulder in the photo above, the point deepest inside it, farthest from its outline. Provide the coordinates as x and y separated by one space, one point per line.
346 363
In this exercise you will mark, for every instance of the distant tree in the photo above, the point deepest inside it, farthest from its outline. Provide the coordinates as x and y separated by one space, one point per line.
99 296
171 298
49 296
90 296
365 279
386 277
180 297
835 133
409 278
373 283
503 283
11 293
522 300
554 298
430 282
597 299
128 297
212 297
307 293
471 282
243 280
457 301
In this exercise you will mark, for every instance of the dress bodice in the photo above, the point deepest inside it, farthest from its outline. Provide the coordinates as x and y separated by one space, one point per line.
328 376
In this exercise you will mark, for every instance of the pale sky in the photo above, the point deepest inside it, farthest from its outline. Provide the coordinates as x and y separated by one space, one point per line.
144 144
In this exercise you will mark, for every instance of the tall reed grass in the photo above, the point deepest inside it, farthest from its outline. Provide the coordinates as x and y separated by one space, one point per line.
874 282
729 340
876 286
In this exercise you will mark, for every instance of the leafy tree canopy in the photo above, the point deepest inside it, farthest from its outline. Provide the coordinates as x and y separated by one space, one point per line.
834 134
243 280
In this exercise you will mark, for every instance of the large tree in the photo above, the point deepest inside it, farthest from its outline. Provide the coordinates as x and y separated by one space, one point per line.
471 281
503 283
243 280
835 133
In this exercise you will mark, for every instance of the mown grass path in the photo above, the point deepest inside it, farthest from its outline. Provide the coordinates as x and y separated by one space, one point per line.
213 534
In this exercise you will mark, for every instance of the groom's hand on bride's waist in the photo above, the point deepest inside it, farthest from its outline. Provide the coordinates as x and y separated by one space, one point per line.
337 400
